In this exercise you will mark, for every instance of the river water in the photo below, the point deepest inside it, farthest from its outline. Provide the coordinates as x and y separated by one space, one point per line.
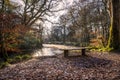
51 50
45 51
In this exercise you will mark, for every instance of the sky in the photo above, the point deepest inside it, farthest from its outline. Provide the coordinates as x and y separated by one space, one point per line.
66 3
63 4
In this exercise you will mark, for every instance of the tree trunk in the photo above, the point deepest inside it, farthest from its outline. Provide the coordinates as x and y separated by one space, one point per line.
114 39
110 12
64 35
116 24
3 52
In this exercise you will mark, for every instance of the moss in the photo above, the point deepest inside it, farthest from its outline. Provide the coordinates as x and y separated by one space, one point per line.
18 58
9 60
3 64
104 49
100 49
24 57
110 41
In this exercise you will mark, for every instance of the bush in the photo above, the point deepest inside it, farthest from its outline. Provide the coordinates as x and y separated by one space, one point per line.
30 42
3 64
10 60
24 57
14 59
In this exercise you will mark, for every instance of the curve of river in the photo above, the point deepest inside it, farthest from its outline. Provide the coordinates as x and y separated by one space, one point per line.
50 50
47 52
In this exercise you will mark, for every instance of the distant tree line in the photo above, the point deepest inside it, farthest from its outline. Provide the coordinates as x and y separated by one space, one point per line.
92 22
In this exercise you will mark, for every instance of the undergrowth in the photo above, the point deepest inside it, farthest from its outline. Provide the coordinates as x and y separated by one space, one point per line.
14 59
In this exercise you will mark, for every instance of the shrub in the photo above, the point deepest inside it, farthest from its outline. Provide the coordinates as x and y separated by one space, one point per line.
26 56
18 58
30 42
3 64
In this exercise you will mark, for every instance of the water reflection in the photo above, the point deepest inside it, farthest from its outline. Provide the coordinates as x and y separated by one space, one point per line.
46 52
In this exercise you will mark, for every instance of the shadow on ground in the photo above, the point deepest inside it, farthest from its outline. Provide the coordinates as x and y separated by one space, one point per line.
89 61
80 61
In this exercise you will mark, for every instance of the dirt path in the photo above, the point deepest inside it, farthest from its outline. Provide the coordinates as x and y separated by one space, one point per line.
94 67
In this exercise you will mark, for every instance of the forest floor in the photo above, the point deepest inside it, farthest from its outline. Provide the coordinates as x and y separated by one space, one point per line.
95 66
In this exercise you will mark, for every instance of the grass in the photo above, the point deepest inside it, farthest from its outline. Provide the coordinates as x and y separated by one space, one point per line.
14 59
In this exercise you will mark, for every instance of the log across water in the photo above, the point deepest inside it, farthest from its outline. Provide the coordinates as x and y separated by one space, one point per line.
66 50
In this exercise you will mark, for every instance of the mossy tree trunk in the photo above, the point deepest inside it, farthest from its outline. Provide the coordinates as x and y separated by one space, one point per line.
116 24
110 12
114 13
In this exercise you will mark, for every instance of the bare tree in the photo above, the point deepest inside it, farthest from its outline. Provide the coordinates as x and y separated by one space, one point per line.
36 9
85 17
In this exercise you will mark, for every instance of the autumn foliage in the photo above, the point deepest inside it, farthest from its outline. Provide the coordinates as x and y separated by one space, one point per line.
11 30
